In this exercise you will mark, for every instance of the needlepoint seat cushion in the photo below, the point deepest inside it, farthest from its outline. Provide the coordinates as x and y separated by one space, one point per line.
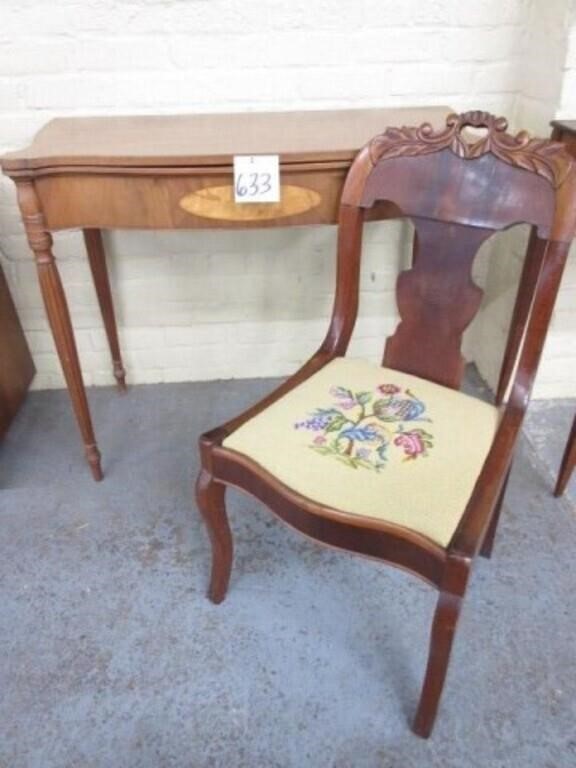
377 443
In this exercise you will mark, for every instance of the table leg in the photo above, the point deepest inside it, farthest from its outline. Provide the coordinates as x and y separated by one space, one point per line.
40 241
97 260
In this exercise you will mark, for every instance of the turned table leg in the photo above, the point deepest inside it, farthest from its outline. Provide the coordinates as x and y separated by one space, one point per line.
40 242
97 260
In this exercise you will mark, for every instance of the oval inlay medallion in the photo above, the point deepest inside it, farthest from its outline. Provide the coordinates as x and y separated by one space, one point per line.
218 203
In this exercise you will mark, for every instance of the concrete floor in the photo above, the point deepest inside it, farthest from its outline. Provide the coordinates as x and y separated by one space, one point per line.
111 657
547 426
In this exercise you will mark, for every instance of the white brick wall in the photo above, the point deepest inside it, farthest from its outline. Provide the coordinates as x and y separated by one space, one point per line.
219 304
544 92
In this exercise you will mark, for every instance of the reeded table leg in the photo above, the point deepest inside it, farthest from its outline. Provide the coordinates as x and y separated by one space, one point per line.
97 260
40 242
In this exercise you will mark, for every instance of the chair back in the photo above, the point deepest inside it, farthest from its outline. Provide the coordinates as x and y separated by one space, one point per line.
458 190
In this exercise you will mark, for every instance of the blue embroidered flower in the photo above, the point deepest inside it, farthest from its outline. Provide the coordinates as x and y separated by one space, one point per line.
396 408
368 433
321 419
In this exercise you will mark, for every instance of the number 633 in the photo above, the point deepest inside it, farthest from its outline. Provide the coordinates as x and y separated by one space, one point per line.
255 185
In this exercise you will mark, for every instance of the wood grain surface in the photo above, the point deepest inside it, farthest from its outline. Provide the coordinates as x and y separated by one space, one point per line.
178 140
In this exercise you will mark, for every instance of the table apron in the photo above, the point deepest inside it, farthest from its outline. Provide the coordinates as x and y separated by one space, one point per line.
179 201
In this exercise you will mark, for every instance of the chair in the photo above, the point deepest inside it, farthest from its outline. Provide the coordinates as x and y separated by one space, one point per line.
392 461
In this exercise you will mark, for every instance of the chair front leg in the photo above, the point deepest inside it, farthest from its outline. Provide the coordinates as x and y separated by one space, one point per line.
211 502
441 638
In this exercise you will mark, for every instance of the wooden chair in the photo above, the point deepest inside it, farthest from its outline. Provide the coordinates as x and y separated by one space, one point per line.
393 462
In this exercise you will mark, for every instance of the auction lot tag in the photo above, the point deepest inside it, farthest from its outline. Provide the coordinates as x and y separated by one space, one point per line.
256 179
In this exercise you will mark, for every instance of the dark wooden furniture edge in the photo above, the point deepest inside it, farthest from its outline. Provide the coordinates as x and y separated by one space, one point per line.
16 364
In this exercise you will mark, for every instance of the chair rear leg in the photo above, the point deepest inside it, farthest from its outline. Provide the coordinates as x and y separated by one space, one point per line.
441 637
568 462
488 543
210 499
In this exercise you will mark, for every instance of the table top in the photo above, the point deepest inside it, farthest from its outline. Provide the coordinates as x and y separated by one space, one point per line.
209 139
565 125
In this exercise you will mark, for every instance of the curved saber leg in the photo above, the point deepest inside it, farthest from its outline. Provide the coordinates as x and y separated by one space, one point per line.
210 499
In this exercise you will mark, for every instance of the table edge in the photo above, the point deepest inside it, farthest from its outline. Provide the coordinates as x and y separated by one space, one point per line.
27 161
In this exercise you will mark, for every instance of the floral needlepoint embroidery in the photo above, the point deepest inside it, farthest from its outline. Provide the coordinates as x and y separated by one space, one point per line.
358 428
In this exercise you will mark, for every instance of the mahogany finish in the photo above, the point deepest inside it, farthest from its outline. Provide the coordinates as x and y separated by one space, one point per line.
568 462
97 261
16 366
457 194
174 172
425 336
186 141
40 242
565 131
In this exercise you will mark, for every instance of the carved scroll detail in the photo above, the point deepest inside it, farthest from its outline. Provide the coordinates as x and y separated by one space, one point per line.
541 156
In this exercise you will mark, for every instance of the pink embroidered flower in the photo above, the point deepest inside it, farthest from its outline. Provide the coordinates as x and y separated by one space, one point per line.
388 389
319 440
412 442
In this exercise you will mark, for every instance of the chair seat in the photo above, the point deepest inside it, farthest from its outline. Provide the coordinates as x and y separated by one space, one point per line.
376 443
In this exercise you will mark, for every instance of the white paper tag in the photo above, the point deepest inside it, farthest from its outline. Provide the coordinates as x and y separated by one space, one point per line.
256 179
